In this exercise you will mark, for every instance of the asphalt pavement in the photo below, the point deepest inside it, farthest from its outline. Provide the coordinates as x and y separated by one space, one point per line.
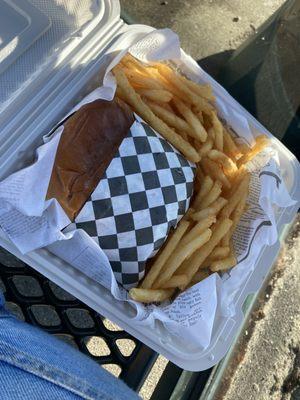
209 30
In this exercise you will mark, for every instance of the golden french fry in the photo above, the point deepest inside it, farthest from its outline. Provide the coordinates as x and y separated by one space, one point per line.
257 148
239 176
199 114
236 216
206 147
218 129
132 62
150 295
240 192
192 125
199 174
227 162
185 137
205 188
213 209
172 77
218 253
154 74
164 254
211 134
134 99
187 216
200 215
230 148
219 204
204 91
261 137
166 106
215 171
176 281
130 68
197 128
192 264
224 264
120 94
243 147
200 275
159 95
169 117
199 228
178 256
212 195
138 79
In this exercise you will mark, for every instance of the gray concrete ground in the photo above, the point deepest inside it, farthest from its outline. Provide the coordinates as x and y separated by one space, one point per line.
209 30
266 365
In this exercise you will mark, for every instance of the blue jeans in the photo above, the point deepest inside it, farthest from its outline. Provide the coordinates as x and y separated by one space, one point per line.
35 366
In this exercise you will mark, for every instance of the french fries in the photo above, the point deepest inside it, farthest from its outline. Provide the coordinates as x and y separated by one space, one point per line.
200 275
216 172
176 281
150 295
161 95
229 146
134 99
194 263
260 144
184 113
236 196
226 161
169 117
218 130
206 147
212 195
197 128
205 188
186 92
164 255
213 209
179 255
224 264
199 228
219 252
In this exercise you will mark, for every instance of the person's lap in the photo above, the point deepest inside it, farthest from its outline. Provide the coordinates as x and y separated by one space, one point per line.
35 365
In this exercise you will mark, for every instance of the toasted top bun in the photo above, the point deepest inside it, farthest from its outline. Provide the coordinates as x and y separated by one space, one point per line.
89 141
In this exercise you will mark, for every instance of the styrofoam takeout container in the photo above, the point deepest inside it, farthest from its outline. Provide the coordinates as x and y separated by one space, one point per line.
37 90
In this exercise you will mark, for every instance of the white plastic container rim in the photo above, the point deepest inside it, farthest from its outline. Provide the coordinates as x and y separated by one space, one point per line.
20 137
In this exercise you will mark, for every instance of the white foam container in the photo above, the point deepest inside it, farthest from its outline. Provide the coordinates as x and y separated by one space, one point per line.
36 104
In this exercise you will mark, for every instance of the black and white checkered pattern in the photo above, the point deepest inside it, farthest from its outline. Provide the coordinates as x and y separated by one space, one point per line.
145 191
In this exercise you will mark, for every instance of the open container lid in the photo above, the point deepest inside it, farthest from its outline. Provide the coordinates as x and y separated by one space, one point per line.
20 25
44 45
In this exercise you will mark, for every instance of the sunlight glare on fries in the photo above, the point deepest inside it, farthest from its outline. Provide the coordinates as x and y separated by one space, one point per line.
257 148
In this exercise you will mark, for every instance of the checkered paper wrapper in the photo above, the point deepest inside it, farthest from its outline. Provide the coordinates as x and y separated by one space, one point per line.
194 315
143 194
